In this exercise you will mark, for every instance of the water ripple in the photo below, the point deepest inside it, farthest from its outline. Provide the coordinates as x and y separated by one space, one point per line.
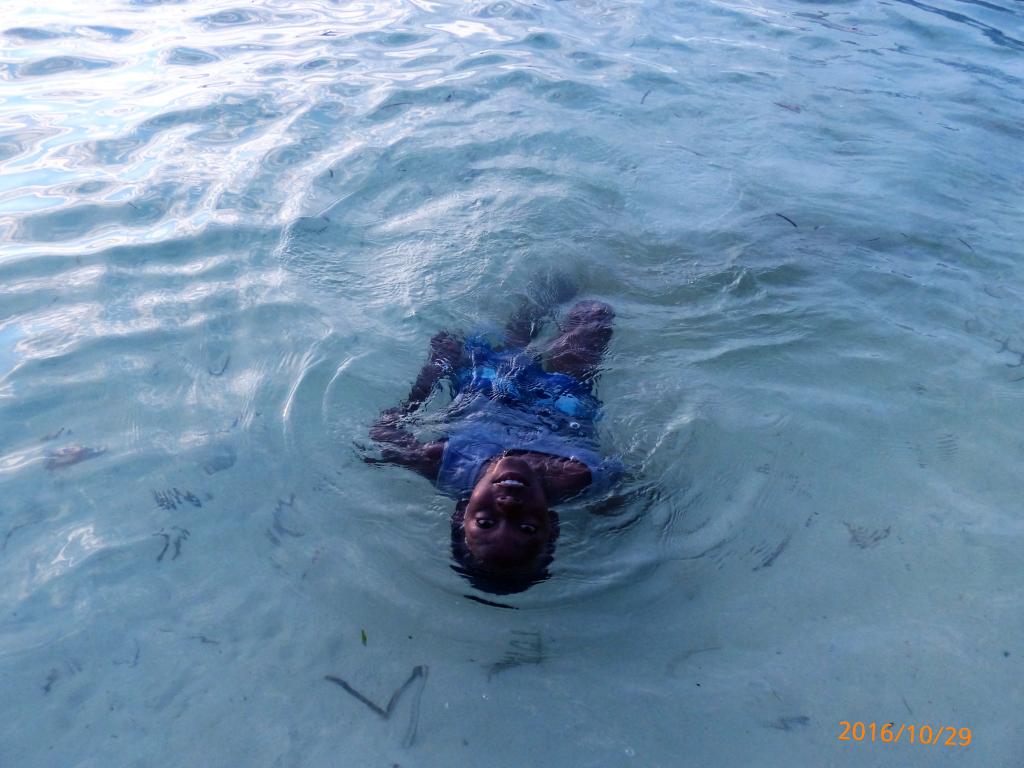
229 232
191 57
55 65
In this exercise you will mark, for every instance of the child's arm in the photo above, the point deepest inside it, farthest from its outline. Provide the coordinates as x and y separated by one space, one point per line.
399 446
445 354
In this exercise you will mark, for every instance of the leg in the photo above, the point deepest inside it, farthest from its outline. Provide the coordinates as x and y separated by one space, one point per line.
524 324
545 292
578 349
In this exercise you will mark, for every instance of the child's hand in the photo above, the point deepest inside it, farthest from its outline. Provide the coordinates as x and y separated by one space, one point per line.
386 428
391 416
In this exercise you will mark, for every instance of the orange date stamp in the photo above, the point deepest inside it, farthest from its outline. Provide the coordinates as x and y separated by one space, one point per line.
890 733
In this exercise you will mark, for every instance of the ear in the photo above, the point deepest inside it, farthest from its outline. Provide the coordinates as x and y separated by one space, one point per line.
459 515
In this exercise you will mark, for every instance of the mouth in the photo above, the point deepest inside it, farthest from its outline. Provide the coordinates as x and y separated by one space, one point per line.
511 480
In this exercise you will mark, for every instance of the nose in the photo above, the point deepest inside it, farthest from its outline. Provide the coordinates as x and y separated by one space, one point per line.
508 501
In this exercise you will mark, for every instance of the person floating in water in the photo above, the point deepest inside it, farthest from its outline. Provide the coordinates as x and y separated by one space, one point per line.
518 437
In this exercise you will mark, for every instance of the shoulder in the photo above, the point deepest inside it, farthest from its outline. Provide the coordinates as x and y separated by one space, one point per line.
565 477
427 459
434 452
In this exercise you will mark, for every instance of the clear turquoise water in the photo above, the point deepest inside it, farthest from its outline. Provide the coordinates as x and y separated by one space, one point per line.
229 231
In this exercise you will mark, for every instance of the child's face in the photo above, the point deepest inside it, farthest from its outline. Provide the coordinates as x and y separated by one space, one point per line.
507 522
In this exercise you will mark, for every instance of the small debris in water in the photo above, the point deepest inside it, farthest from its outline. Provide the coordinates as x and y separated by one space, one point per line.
865 537
219 371
172 497
418 673
52 435
180 535
787 723
71 454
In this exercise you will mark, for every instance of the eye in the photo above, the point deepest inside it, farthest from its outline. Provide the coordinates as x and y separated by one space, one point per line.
483 522
527 528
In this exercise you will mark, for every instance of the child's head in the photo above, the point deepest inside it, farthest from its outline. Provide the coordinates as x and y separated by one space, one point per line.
503 535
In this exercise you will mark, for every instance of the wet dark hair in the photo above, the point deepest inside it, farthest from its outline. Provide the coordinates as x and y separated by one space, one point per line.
488 579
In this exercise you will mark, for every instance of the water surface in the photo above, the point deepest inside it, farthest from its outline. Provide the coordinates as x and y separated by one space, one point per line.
229 232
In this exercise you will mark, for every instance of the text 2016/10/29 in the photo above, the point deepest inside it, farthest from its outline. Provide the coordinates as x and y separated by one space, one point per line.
889 733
